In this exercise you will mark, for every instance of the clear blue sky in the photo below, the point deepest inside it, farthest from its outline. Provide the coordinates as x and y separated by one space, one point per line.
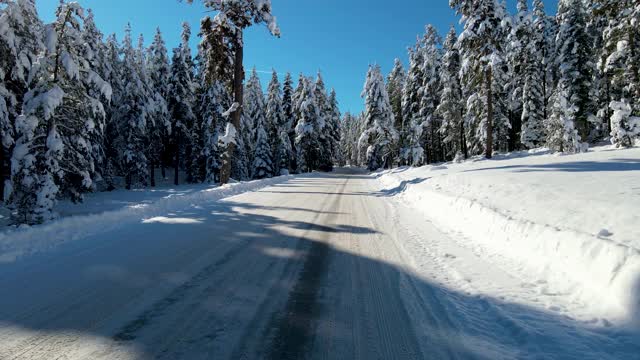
339 37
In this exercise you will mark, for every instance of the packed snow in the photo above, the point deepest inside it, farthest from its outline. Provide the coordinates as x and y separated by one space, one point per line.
566 225
106 211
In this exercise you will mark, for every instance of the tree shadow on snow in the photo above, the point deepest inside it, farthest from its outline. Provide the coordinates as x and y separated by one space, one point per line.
208 306
614 165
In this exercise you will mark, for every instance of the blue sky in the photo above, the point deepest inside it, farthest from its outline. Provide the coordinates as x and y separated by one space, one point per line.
338 37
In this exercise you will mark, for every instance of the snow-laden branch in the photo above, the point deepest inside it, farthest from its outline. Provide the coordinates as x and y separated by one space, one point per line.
231 110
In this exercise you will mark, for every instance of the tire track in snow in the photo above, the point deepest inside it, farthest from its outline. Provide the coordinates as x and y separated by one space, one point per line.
129 331
295 329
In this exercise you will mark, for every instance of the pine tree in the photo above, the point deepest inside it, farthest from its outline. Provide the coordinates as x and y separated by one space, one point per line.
534 71
279 127
214 98
348 140
482 52
180 104
289 117
451 107
53 154
380 136
538 78
156 112
237 15
322 100
430 94
544 35
395 86
333 126
262 161
159 73
214 101
307 129
411 151
621 67
113 139
254 113
20 44
518 41
298 93
568 123
133 111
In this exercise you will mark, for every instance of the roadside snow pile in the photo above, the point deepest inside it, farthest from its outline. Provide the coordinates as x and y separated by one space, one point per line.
572 220
22 241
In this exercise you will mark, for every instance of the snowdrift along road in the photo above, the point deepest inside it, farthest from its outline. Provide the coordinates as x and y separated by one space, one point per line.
572 221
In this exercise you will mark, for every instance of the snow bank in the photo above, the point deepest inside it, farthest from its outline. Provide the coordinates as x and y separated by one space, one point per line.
573 221
16 243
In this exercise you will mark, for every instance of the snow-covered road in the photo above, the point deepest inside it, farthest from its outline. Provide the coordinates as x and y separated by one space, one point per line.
325 266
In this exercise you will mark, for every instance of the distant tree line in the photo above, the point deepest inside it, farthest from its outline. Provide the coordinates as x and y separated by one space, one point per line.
507 82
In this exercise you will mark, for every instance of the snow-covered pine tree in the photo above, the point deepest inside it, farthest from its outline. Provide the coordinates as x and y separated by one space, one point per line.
430 95
621 67
278 128
481 44
215 99
322 100
133 112
568 124
599 93
263 159
534 71
236 15
519 38
180 104
217 54
274 119
625 128
192 146
451 107
20 44
411 151
348 141
395 85
53 154
538 78
298 94
254 114
113 140
289 117
380 137
159 71
94 53
307 129
544 34
157 116
333 126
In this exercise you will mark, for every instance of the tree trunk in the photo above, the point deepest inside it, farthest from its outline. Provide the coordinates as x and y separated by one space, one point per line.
176 172
238 78
463 141
152 173
3 172
489 148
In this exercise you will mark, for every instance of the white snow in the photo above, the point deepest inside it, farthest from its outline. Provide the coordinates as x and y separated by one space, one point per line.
229 136
570 223
104 212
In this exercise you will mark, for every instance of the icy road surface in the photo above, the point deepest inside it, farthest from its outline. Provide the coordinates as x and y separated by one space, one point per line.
317 267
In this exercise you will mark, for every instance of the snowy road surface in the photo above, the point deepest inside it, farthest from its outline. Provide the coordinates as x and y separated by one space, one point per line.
318 267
